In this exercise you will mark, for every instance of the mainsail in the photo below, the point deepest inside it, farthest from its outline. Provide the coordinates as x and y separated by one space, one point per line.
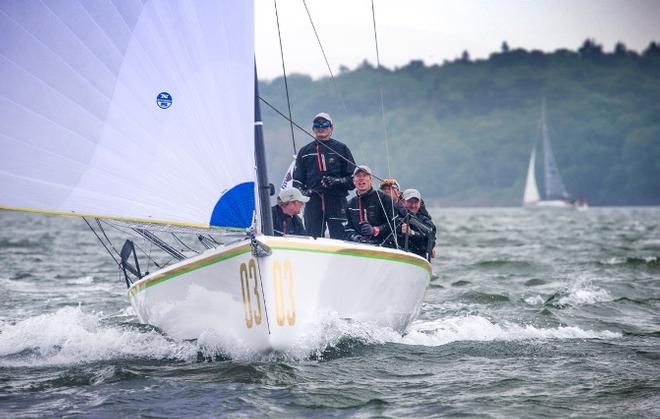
130 110
554 187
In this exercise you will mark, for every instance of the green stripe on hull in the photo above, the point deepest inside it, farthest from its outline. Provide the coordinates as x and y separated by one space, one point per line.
166 276
362 253
307 247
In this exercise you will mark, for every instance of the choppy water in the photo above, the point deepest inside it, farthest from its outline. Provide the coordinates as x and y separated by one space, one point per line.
533 314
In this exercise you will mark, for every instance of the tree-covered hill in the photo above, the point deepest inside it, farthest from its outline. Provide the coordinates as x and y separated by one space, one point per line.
462 132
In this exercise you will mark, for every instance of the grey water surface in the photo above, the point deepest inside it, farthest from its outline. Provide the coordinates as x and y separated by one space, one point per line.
532 314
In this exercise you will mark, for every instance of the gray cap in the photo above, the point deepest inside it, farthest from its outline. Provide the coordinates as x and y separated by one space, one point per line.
323 115
412 193
292 194
362 168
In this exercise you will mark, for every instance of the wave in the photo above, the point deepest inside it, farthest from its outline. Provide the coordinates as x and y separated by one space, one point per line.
72 336
477 328
633 262
20 243
501 263
580 293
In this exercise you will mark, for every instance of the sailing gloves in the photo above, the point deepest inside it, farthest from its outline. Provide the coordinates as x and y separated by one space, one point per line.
333 181
368 230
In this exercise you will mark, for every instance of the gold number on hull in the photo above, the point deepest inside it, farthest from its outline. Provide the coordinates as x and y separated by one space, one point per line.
249 272
282 273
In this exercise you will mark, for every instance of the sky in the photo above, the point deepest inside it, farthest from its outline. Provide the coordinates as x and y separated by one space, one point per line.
435 31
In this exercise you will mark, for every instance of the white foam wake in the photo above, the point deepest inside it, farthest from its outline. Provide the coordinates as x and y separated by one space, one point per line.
71 335
476 328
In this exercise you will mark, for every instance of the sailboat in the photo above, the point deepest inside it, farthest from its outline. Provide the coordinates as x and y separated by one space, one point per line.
555 195
144 116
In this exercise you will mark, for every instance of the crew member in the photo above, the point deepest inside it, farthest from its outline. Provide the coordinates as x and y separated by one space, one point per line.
285 213
397 212
368 220
419 228
323 171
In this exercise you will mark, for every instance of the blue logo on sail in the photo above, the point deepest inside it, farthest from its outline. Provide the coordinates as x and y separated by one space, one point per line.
164 100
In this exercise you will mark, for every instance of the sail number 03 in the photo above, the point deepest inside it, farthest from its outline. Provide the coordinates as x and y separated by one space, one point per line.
285 298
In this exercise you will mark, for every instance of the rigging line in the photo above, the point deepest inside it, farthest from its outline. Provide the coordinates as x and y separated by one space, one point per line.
98 222
392 226
101 241
263 296
305 131
380 85
332 76
151 248
160 243
271 106
214 240
183 244
286 84
136 244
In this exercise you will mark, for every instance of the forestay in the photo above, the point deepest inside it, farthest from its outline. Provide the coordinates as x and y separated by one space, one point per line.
129 110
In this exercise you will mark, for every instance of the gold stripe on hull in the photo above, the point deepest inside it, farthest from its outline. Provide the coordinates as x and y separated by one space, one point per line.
326 248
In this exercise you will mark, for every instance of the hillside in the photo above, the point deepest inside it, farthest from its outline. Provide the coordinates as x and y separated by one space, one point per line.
461 132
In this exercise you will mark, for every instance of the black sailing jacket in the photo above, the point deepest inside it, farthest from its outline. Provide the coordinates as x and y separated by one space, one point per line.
422 238
369 207
286 224
324 158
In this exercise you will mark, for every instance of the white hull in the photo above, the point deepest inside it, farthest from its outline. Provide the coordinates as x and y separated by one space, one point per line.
272 302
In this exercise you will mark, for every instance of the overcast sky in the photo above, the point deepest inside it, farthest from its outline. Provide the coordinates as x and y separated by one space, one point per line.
439 30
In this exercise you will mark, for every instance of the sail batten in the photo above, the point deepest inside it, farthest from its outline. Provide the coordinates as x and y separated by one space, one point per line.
139 111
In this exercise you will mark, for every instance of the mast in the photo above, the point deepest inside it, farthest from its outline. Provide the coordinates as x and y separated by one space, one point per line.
263 187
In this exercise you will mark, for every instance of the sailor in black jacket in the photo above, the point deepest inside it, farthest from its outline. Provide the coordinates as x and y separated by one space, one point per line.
419 227
323 171
368 221
285 214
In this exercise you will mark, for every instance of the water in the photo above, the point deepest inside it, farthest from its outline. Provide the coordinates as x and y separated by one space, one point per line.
532 314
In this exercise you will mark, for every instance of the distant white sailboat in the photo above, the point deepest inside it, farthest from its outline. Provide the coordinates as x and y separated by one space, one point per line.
555 195
145 115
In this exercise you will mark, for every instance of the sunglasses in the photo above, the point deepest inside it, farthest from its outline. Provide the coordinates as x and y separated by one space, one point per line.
322 124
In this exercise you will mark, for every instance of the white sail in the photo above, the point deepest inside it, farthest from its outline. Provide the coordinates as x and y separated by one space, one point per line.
129 110
531 190
554 187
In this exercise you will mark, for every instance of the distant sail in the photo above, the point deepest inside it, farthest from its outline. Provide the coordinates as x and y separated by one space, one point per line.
115 108
531 190
554 187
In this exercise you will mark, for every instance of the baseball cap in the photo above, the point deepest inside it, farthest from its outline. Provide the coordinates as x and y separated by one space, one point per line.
362 168
292 194
412 193
323 115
